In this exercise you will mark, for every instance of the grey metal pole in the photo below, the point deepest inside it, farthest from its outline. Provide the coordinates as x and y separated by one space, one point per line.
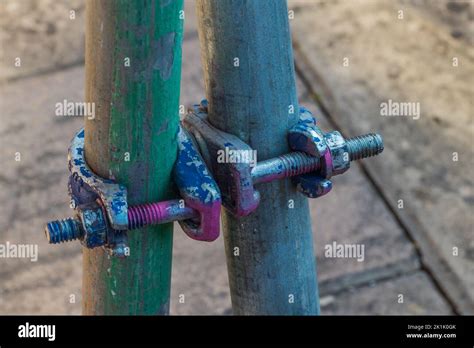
250 85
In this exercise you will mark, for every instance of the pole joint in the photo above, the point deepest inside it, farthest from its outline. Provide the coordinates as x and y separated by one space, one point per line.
103 216
315 158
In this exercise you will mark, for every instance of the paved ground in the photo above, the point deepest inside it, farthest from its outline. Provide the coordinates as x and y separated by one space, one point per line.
423 56
408 252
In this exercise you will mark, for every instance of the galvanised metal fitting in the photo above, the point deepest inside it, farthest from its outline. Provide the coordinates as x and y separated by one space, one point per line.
103 216
334 157
316 158
198 189
233 178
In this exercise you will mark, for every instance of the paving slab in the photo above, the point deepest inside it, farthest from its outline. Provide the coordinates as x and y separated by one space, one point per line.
51 286
353 214
44 35
354 56
401 296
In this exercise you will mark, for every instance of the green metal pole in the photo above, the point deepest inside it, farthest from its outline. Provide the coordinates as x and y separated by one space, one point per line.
250 85
133 68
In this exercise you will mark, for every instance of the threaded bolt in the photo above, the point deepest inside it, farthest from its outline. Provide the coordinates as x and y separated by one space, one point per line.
364 146
65 230
284 166
292 164
158 213
297 163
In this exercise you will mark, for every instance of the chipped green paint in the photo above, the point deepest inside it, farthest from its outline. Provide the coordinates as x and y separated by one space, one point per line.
133 68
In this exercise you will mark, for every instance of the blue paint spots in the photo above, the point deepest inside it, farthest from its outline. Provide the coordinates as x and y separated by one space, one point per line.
118 205
191 175
85 172
86 187
198 189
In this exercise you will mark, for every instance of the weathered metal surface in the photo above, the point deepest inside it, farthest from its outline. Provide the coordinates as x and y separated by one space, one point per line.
94 225
234 179
284 166
65 230
159 213
305 136
85 186
270 254
133 63
101 206
198 189
90 214
198 211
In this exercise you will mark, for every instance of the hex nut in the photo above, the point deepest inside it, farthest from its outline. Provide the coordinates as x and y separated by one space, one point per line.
94 223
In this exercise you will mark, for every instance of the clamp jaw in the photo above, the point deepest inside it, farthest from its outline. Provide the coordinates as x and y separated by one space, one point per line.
308 138
101 204
103 216
198 189
234 179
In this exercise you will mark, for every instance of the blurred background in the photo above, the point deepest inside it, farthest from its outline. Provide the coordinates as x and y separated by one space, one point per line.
412 207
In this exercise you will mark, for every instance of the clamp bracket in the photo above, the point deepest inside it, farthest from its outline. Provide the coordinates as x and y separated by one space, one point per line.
103 212
234 179
315 158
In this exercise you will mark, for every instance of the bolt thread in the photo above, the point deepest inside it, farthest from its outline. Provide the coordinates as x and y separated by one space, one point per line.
146 214
364 146
297 163
158 213
69 229
65 230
